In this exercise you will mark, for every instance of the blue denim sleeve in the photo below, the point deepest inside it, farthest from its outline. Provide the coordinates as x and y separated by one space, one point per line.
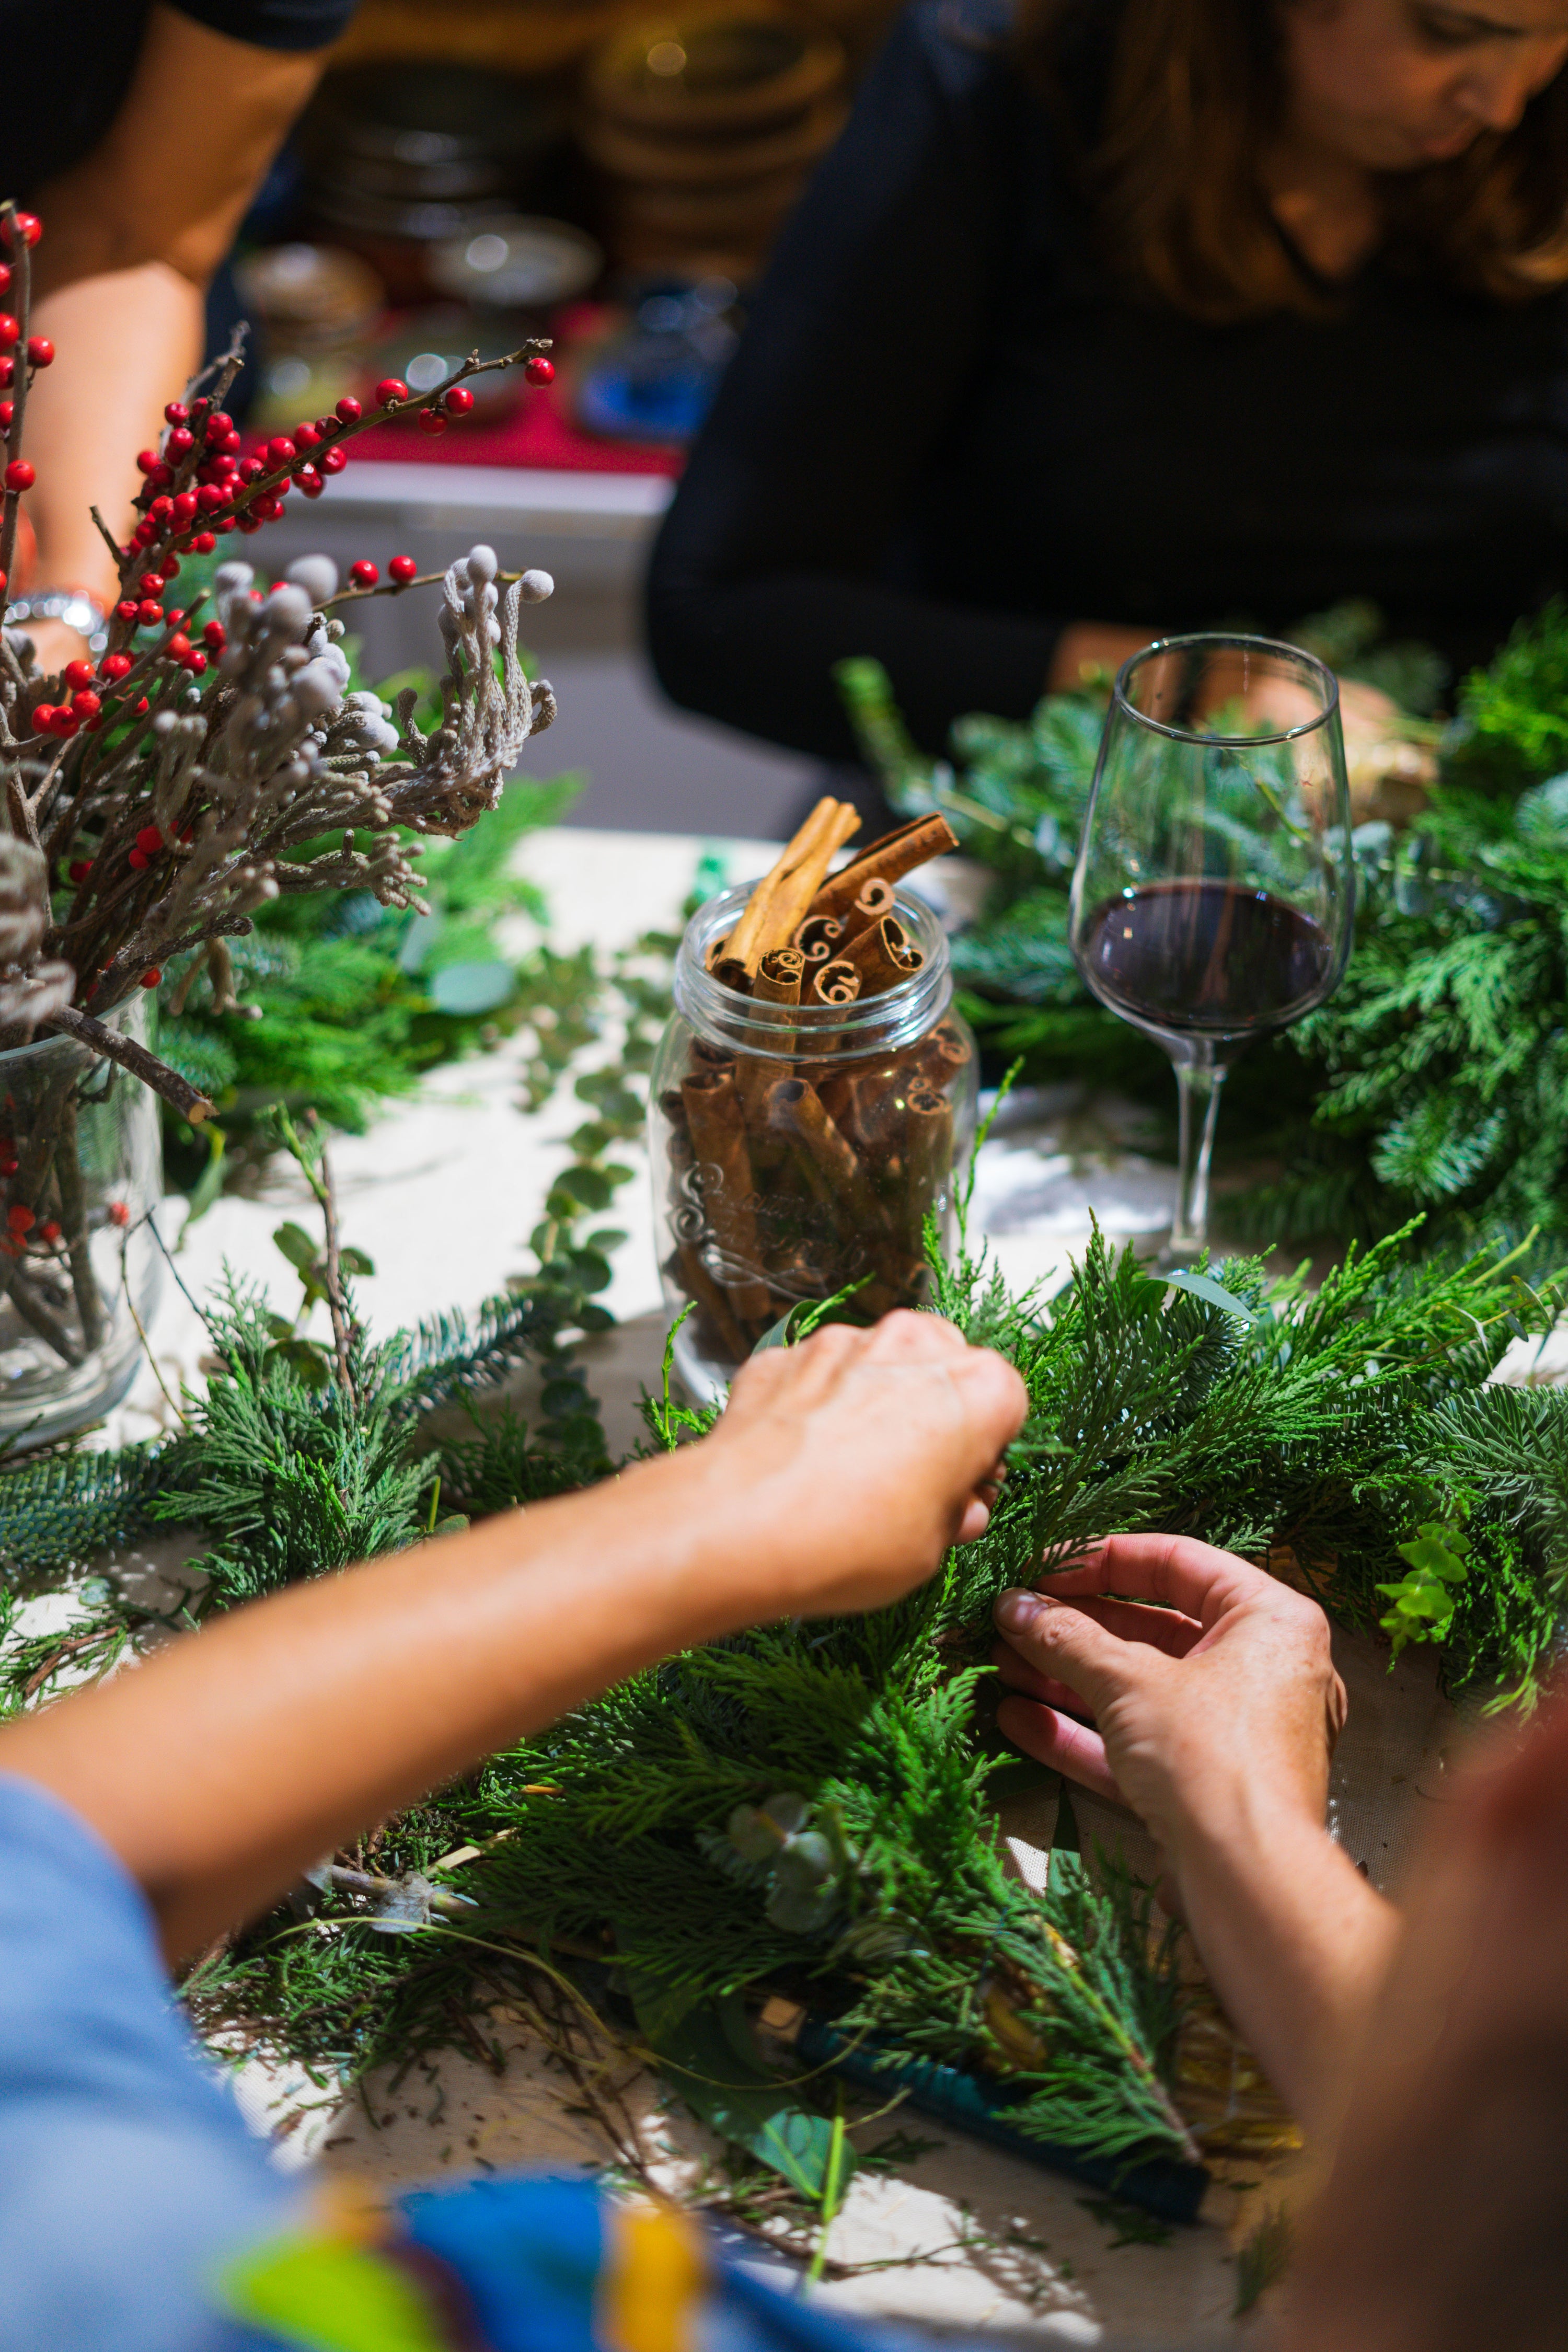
125 2171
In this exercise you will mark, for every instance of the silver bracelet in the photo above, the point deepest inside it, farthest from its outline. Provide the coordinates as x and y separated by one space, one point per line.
74 606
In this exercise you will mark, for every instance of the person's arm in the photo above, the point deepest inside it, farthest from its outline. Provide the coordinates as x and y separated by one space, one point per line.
132 237
1214 1715
226 1765
873 328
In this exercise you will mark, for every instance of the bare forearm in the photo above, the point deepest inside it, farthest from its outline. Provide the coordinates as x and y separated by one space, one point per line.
1296 1943
125 342
223 1767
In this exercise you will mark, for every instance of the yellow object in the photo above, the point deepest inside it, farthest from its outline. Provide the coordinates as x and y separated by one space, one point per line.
328 2296
653 2282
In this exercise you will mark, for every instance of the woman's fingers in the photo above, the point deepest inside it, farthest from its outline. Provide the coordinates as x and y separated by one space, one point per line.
1056 1740
1066 1646
1177 1571
1169 1630
1032 1683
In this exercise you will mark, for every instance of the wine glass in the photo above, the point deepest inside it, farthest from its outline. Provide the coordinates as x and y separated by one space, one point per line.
1214 888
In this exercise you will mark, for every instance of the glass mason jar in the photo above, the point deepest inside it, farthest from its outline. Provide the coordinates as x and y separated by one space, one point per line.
798 1149
81 1162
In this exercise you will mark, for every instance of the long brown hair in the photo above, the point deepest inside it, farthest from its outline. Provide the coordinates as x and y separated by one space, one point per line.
1195 89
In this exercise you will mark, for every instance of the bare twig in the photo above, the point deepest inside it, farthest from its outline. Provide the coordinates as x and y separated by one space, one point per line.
101 1039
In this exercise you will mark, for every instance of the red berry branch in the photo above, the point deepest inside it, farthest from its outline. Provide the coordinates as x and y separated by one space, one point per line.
153 798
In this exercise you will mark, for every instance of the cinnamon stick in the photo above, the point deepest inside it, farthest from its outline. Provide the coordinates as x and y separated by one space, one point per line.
872 900
818 937
779 900
834 983
794 1110
778 981
883 954
887 860
713 1112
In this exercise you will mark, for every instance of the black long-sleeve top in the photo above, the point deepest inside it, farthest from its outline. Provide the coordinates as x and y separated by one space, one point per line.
948 431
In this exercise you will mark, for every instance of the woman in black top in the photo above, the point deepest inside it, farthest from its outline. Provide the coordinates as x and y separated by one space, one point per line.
1147 315
139 132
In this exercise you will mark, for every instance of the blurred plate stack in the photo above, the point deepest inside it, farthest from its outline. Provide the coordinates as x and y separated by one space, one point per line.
705 124
317 308
402 158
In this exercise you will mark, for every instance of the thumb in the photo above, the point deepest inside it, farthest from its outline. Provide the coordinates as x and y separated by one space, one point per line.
1058 1641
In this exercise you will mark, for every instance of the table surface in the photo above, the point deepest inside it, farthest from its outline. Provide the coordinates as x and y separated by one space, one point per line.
442 1193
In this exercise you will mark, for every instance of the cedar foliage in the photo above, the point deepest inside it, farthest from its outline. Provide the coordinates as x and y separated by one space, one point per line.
1436 1078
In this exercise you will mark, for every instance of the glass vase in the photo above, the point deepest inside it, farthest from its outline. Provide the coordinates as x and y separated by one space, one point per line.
80 1166
798 1150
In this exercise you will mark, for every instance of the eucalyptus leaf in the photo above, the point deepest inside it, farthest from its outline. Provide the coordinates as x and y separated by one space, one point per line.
1204 1285
469 988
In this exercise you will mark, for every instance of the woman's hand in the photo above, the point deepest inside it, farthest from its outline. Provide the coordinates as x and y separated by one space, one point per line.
859 1456
1214 1715
1226 1681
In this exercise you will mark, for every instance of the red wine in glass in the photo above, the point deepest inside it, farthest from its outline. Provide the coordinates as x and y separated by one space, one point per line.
1206 957
1214 888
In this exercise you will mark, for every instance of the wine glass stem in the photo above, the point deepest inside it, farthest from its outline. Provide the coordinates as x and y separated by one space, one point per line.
1198 1085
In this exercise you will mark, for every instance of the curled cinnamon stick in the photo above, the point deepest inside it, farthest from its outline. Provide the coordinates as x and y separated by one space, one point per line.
713 1113
883 954
943 1054
834 983
795 1111
778 905
872 900
818 937
895 855
778 981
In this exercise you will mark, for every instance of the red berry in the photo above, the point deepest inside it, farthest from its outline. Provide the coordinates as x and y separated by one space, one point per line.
64 723
162 509
151 979
26 226
180 442
86 705
307 437
126 609
79 673
185 506
432 421
7 411
195 661
150 583
333 460
268 507
179 646
144 534
176 413
20 1219
80 869
231 444
116 665
390 388
7 371
42 716
9 330
40 351
209 497
204 542
139 860
118 1214
149 840
168 565
8 1164
310 481
539 372
403 568
160 478
49 1233
217 425
458 400
20 475
215 636
149 461
364 574
148 613
250 469
349 410
280 452
4 275
140 709
249 523
174 615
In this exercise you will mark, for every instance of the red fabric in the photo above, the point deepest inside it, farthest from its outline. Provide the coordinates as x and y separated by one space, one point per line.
539 431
